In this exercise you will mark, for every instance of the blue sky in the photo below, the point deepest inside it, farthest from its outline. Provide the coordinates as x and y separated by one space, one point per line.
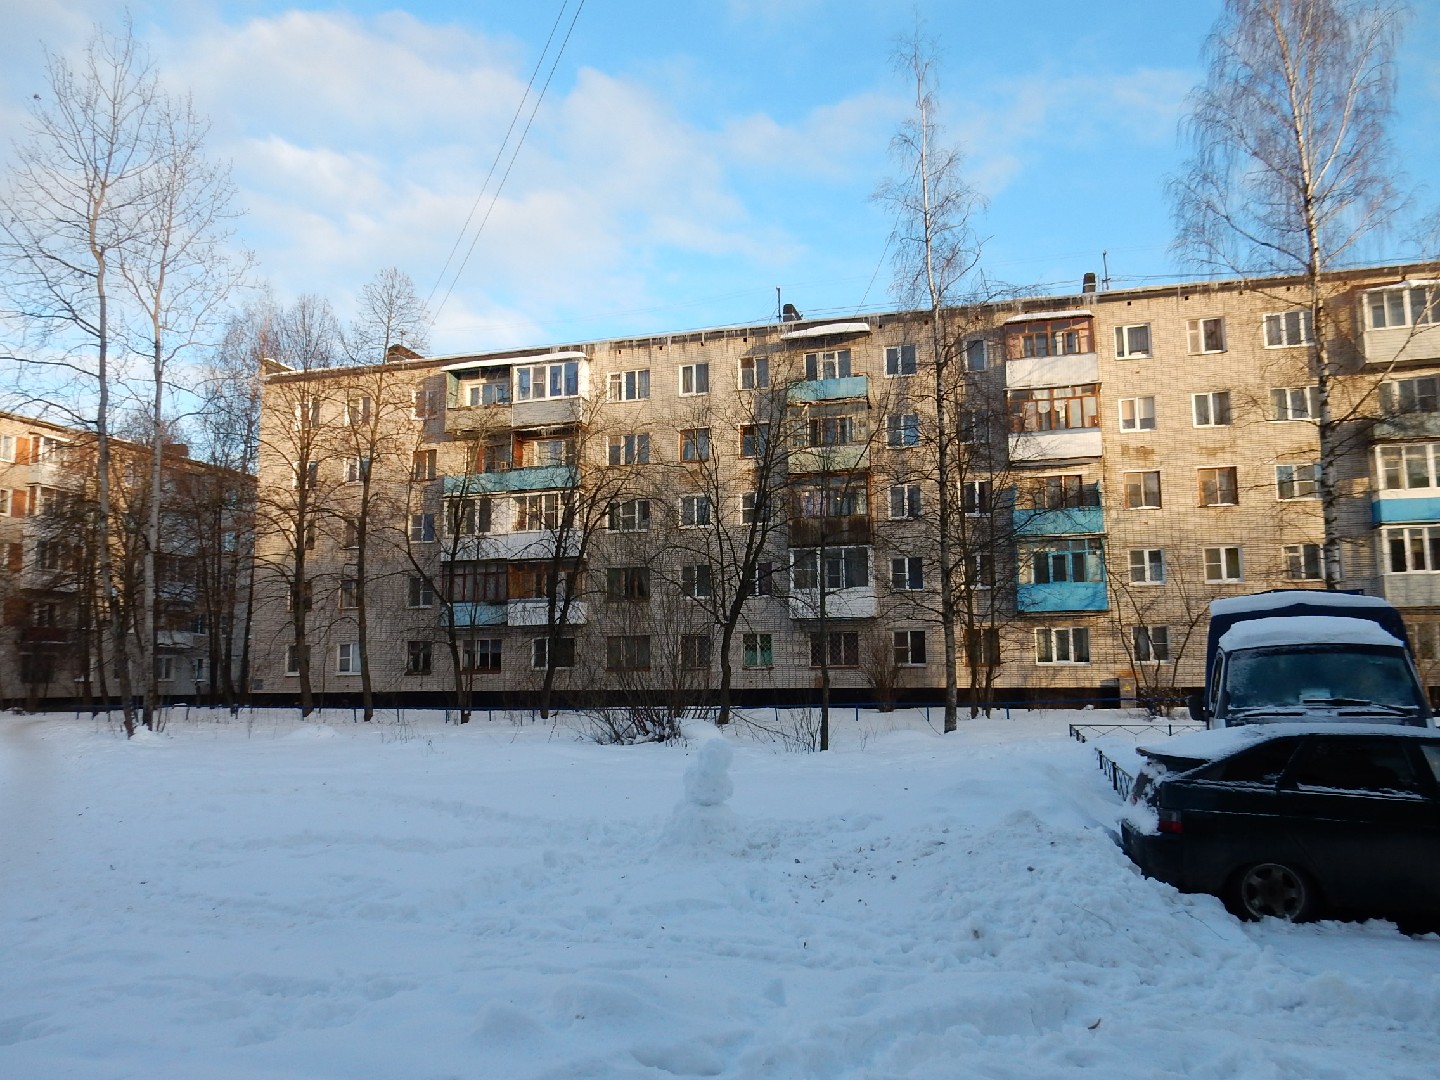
689 157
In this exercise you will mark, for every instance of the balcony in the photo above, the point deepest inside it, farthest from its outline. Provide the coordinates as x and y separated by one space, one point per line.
534 478
856 603
47 635
1415 425
549 412
510 546
844 458
840 389
1062 596
1063 445
460 419
1409 329
477 614
835 531
176 639
1068 521
536 613
1396 507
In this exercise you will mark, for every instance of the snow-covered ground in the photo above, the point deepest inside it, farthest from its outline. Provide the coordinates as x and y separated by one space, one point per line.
422 901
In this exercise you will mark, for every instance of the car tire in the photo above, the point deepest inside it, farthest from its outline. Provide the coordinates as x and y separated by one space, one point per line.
1273 890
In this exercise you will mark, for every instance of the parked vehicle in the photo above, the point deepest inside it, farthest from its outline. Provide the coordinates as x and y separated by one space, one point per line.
1308 655
1292 820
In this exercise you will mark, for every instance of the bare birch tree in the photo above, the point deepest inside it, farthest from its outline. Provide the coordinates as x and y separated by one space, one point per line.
1291 170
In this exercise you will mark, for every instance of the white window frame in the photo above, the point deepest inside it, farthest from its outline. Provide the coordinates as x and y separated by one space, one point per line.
696 511
977 348
1294 403
1062 645
1420 394
1227 557
697 580
540 389
902 431
910 644
1211 398
1126 347
1406 305
1149 568
420 592
1138 415
1394 463
631 385
905 498
1144 497
907 573
1301 486
1298 560
347 658
901 361
1198 338
422 528
693 380
1287 329
629 515
7 448
753 372
539 649
630 449
1422 540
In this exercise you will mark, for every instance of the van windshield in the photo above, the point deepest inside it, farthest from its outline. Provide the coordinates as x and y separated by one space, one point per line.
1339 676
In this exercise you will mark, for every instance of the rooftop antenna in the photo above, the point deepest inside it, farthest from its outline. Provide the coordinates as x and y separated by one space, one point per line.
779 311
1105 269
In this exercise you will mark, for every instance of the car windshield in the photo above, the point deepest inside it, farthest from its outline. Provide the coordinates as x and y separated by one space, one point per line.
1339 676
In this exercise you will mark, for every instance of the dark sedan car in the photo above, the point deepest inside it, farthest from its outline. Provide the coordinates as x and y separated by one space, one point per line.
1292 820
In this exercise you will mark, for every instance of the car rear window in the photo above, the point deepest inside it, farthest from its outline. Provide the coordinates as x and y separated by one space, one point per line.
1261 764
1357 765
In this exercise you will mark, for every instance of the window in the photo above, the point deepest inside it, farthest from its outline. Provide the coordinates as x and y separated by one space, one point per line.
477 582
537 513
563 653
976 497
5 502
632 515
629 385
695 581
694 379
695 444
1147 566
199 669
7 447
978 569
907 573
310 470
357 410
469 516
426 404
422 527
548 452
1420 395
627 652
836 425
899 360
1151 644
844 495
1206 335
539 381
49 554
630 449
977 354
903 429
754 372
1414 305
349 593
694 510
419 657
1062 645
753 439
165 668
357 469
422 465
764 578
1053 337
1137 414
347 658
836 649
827 365
292 659
753 508
1302 562
1060 560
1063 492
904 502
1288 328
1132 342
1425 637
695 651
1297 481
1219 487
1295 403
1223 564
1055 408
483 655
756 651
492 456
845 568
421 592
982 647
627 583
307 414
1409 466
492 388
909 648
312 532
1212 409
1142 489
1413 550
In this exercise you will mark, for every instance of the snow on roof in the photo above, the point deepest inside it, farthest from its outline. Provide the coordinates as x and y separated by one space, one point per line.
1215 743
1230 605
1405 284
1069 313
826 329
1306 630
508 361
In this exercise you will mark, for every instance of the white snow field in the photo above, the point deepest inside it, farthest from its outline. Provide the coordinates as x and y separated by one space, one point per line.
236 901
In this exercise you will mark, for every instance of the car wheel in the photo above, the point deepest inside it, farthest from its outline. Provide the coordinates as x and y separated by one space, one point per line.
1273 890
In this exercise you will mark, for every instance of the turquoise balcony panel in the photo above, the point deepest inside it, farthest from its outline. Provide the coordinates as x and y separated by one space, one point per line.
1063 596
1073 521
852 386
478 615
537 478
1392 511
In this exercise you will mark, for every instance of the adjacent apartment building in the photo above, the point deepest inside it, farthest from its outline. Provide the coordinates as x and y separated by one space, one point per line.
760 503
55 649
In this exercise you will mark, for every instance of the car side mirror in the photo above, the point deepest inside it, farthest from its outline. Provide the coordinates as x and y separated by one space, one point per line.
1196 702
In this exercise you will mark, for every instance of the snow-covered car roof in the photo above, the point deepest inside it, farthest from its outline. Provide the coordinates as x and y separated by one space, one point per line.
1216 743
1281 598
1306 630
